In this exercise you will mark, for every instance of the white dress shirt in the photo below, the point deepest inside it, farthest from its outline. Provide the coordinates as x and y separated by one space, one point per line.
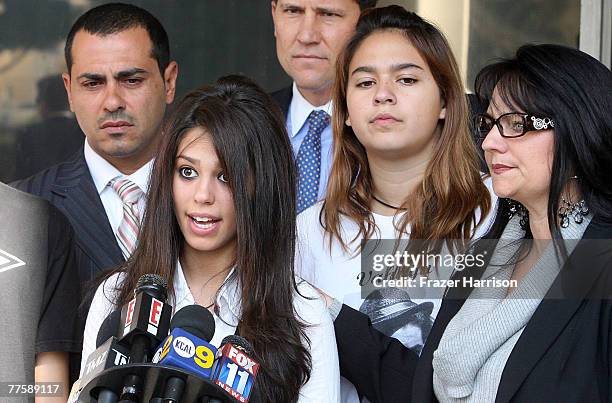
346 277
324 382
102 172
297 127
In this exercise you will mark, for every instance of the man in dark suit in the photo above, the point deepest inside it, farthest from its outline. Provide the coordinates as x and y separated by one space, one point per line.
310 34
119 80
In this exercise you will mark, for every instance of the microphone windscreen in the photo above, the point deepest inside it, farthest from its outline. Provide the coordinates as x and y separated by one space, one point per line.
238 341
109 327
196 320
154 285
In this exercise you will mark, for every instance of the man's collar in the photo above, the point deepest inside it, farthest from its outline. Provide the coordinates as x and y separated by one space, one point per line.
300 109
103 171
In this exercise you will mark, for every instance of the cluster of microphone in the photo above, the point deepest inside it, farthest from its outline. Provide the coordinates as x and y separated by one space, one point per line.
144 356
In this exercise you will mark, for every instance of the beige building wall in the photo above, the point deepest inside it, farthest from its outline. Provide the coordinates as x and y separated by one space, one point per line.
452 17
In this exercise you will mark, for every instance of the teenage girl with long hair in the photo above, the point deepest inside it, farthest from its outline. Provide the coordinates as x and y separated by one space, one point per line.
220 227
405 166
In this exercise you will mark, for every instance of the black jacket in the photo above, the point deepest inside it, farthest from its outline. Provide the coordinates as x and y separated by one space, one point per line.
283 99
563 355
70 188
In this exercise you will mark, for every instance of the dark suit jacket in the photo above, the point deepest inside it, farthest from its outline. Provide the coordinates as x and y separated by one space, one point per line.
283 99
70 188
563 355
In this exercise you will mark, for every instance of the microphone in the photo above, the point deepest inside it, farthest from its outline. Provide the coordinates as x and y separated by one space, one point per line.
187 347
109 353
234 370
145 320
146 317
156 382
109 327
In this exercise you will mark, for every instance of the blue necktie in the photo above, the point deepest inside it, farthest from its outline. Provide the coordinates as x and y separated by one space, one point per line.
309 160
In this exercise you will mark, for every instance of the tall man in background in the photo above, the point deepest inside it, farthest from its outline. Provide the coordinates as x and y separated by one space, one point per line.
119 80
310 34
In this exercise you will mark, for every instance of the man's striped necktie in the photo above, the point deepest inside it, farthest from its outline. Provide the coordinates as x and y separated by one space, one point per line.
127 233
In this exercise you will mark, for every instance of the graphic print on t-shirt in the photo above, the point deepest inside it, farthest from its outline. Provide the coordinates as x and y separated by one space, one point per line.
9 261
393 313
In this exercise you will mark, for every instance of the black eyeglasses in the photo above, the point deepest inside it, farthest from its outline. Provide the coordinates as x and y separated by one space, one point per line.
510 125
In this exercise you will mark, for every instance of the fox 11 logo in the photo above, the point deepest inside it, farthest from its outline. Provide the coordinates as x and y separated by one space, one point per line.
235 372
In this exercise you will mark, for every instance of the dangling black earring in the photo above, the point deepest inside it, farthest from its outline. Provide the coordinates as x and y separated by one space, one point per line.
518 208
576 210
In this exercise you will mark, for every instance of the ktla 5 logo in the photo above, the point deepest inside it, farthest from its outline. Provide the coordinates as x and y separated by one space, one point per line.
202 355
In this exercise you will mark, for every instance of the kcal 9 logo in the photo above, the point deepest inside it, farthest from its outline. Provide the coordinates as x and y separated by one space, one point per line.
203 356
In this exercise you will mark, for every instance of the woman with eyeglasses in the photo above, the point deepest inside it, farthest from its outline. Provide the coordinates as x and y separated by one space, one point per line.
545 334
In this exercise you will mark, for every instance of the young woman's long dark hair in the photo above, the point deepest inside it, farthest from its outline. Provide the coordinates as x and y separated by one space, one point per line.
443 206
249 136
575 90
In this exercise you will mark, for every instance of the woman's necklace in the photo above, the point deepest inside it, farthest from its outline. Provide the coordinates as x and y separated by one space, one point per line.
193 295
200 293
386 204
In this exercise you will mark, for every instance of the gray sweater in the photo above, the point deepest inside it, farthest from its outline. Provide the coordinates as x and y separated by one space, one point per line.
477 342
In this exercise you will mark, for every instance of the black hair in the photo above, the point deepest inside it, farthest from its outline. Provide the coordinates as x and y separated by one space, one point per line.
575 90
112 18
